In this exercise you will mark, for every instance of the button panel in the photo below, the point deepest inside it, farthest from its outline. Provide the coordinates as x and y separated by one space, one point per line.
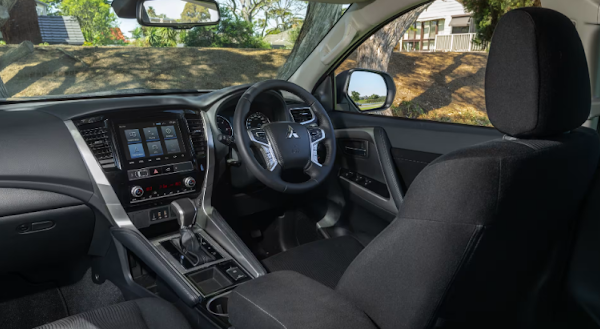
159 170
159 214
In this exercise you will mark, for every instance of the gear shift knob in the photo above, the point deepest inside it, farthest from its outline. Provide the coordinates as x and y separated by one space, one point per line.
185 210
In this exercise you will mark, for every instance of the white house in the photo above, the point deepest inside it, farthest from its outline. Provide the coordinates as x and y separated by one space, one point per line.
41 8
444 22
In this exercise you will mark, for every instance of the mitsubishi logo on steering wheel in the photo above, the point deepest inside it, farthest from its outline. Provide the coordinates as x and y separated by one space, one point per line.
291 133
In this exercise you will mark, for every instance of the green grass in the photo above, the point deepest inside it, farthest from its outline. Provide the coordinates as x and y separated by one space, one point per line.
370 107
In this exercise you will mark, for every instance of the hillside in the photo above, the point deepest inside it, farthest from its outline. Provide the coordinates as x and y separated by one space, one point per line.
436 86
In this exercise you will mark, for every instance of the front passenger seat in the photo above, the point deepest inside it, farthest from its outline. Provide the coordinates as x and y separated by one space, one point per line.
480 239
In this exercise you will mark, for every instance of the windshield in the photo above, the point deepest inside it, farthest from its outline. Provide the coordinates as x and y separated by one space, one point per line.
66 47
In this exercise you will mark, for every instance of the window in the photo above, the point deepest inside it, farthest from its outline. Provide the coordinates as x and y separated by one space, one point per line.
460 29
432 85
425 40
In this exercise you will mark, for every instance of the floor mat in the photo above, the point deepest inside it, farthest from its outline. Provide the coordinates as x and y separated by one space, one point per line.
85 295
35 306
24 305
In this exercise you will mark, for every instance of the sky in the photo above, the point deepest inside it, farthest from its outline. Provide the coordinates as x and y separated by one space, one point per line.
367 83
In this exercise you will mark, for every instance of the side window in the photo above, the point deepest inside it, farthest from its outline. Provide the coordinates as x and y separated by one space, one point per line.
437 63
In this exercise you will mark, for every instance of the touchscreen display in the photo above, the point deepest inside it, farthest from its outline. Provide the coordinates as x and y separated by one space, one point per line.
147 141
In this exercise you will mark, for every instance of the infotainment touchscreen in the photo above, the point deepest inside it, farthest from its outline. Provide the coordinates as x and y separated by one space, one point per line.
149 142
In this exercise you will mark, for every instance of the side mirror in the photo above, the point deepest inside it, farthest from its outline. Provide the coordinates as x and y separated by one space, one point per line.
365 90
179 14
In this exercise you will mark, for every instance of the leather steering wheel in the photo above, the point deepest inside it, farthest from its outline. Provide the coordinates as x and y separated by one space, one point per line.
285 145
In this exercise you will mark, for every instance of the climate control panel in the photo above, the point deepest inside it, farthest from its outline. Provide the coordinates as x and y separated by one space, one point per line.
152 189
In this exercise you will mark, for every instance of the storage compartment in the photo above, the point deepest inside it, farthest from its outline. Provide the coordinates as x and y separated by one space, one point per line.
210 280
218 305
43 237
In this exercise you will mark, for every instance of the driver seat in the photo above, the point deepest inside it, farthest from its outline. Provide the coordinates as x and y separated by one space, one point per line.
482 237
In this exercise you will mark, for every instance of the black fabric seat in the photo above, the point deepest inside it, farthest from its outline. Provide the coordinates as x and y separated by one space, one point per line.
324 260
146 313
482 237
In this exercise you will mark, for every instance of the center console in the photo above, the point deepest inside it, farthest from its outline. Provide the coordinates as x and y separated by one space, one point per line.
156 163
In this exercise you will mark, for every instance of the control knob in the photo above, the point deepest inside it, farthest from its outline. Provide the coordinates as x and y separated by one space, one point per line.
189 182
137 191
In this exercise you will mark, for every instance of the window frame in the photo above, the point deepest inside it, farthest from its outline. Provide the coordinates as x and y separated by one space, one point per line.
327 80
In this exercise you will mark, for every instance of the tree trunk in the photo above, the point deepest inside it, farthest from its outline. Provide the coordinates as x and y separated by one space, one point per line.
376 51
320 17
22 24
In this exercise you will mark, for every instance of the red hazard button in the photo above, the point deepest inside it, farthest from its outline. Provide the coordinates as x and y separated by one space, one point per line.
155 171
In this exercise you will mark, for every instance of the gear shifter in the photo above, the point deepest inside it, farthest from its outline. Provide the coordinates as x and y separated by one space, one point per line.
185 210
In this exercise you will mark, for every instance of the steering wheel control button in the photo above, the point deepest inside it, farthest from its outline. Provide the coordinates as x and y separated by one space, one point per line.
189 182
137 191
236 273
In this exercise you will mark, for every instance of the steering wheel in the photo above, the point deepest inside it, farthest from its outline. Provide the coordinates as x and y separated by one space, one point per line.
285 145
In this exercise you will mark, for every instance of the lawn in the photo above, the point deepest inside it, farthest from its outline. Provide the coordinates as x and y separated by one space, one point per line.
370 107
435 86
447 87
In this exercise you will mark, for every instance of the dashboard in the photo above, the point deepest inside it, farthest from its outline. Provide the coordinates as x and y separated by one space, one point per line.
267 108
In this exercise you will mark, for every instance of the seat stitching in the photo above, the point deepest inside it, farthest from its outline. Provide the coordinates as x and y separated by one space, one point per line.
260 308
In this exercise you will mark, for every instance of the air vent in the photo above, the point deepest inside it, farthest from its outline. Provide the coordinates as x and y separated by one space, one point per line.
99 143
302 115
196 127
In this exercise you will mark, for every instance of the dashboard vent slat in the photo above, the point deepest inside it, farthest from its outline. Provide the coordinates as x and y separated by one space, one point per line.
99 143
302 115
196 127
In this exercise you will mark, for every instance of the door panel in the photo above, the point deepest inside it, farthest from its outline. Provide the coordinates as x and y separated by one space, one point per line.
404 148
410 163
367 170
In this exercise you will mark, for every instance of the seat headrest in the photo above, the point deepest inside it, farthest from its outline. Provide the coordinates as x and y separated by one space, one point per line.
536 82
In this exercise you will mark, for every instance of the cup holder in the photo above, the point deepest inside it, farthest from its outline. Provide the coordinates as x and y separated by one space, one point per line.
218 305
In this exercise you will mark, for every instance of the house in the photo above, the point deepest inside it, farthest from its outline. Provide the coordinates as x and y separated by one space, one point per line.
60 30
280 40
41 8
444 26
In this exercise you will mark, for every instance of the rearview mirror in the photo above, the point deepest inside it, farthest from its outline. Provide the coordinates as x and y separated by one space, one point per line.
179 14
367 90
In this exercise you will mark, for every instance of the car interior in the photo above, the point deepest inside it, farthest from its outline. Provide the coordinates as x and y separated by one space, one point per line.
278 205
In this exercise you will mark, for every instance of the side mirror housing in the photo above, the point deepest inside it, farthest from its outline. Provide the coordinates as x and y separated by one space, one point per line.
178 14
365 90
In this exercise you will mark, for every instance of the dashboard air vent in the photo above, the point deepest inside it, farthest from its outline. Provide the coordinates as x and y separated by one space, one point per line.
302 115
196 127
99 143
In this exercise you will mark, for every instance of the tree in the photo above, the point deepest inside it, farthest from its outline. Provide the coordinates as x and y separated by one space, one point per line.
246 9
487 13
376 51
95 19
232 32
194 13
355 96
22 23
320 17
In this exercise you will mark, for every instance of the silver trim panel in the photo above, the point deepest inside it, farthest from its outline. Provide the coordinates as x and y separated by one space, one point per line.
118 216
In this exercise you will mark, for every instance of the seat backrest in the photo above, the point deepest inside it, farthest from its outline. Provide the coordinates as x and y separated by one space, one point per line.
479 230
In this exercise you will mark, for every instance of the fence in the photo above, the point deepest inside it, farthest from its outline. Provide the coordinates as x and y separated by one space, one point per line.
458 42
